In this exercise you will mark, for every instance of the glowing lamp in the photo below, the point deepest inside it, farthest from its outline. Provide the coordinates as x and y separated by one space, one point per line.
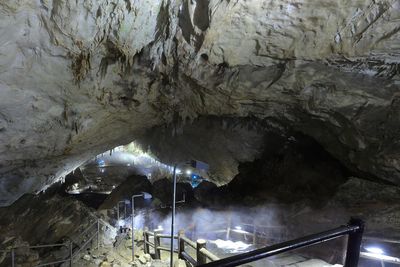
147 195
374 250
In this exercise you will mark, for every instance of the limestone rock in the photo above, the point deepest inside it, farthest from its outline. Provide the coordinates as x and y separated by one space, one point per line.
109 258
179 263
97 262
162 190
80 77
147 257
105 264
134 184
87 257
30 218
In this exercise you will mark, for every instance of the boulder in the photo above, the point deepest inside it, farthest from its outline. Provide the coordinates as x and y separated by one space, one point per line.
134 184
105 264
162 190
87 257
142 259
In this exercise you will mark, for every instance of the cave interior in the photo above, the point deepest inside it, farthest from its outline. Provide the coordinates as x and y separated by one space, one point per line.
276 120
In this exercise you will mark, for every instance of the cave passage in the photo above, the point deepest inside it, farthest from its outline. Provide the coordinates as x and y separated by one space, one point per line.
291 188
278 119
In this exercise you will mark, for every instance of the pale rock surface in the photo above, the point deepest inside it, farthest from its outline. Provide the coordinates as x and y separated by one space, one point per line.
179 263
80 77
87 257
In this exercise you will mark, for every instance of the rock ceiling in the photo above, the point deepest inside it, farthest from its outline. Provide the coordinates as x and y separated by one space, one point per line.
80 77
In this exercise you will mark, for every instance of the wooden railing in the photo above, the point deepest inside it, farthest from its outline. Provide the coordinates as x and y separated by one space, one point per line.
202 254
156 245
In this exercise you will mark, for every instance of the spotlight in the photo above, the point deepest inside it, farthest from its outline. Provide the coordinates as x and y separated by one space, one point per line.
147 195
374 250
188 172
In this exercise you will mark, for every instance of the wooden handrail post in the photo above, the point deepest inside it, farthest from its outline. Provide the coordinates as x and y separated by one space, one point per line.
201 258
157 243
146 240
181 243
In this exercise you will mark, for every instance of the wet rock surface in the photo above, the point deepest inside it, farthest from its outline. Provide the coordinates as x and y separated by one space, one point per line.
291 169
162 190
40 220
135 184
78 78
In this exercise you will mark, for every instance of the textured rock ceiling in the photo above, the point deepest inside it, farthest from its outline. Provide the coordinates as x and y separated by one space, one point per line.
80 77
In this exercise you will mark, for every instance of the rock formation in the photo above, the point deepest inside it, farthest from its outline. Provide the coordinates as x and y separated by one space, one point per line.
80 77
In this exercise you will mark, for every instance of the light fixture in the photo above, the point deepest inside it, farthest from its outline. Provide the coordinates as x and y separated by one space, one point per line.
188 172
374 250
238 228
195 164
145 195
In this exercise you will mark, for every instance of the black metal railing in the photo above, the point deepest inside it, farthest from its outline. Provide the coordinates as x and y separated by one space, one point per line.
94 234
354 229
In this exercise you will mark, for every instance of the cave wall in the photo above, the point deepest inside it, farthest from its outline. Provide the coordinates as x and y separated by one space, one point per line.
80 77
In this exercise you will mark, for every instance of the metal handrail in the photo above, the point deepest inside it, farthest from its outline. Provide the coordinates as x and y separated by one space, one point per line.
53 262
36 246
87 229
84 245
12 251
71 256
354 229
